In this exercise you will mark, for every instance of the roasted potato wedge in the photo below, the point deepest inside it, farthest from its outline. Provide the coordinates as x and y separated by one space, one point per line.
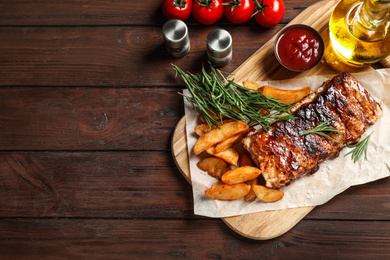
241 174
203 129
218 135
222 146
251 85
223 191
267 194
251 196
214 166
230 155
287 96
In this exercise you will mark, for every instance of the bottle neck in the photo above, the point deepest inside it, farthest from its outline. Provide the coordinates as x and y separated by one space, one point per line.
374 13
371 20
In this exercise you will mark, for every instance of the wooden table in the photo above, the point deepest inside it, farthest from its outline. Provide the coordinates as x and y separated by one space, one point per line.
88 105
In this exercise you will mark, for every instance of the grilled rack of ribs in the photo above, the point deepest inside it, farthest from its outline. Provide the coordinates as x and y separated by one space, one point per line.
283 154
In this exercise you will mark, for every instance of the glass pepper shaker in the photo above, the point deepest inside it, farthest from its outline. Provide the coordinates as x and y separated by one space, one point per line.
176 38
219 47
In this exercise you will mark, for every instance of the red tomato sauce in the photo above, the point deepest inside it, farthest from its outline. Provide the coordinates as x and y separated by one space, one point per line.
299 48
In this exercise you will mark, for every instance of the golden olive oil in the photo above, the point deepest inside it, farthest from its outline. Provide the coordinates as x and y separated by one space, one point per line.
359 31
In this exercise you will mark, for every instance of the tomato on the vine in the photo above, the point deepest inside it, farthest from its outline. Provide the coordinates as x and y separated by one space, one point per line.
239 11
177 9
269 12
208 11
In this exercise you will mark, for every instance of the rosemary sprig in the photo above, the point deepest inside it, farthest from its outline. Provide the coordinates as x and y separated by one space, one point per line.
216 97
323 127
359 149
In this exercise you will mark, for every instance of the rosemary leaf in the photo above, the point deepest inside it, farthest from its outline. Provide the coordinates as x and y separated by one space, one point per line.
359 149
323 127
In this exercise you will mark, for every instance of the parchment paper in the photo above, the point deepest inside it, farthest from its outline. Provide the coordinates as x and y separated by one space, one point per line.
333 177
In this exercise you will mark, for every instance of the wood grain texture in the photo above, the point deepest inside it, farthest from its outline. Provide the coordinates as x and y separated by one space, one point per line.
180 149
88 118
152 239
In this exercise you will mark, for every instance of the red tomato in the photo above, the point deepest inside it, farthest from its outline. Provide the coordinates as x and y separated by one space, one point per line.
239 11
207 11
177 9
269 12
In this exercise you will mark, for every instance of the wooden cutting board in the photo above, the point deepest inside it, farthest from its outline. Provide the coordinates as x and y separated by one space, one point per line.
262 65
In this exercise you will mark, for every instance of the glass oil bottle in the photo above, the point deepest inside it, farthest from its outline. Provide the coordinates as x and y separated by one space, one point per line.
359 31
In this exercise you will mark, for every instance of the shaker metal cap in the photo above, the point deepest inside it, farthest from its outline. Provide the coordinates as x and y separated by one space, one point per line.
219 43
175 33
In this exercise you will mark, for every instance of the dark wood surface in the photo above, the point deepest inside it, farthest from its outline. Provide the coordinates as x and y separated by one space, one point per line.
88 104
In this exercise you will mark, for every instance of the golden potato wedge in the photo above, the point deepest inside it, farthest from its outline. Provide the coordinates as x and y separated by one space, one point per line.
267 194
218 135
203 129
222 146
214 166
223 191
251 85
245 160
241 174
251 196
286 96
230 155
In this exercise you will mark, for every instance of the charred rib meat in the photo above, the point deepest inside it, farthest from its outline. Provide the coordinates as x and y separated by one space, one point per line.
283 154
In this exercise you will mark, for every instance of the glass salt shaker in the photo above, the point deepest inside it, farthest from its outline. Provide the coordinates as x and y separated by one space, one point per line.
176 38
219 47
